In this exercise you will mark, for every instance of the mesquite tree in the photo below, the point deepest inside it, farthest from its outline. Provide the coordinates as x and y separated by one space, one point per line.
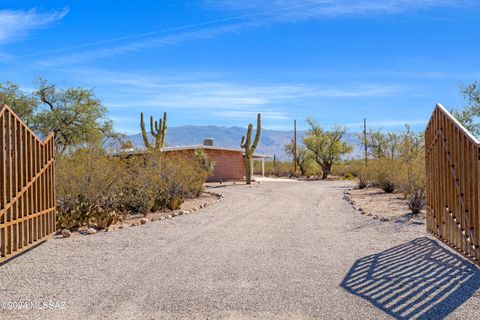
302 156
326 146
250 148
158 130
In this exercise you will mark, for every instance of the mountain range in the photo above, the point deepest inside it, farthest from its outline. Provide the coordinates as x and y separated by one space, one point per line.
272 142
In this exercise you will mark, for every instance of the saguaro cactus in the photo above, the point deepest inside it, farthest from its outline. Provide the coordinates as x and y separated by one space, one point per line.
250 148
158 129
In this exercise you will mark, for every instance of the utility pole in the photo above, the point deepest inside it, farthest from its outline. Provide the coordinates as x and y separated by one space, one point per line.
365 142
295 146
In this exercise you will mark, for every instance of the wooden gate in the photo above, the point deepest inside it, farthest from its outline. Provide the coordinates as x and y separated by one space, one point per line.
452 160
27 197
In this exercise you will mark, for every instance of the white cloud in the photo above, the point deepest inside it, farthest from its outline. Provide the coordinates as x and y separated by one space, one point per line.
245 15
201 92
16 24
311 9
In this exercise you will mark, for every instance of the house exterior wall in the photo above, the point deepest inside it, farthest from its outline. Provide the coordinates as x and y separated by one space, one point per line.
228 165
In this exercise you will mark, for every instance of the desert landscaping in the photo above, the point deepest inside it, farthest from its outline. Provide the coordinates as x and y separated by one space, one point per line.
220 159
280 250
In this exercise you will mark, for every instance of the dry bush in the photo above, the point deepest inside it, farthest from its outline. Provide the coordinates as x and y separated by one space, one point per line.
364 177
384 174
348 176
285 169
379 173
181 178
88 184
411 181
95 189
141 184
398 164
349 167
277 168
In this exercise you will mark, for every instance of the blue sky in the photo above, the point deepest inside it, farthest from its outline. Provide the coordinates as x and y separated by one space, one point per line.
221 62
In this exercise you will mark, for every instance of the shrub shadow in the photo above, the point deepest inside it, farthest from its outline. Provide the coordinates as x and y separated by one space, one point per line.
416 280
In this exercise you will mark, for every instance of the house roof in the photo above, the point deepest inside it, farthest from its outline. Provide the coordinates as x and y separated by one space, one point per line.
198 146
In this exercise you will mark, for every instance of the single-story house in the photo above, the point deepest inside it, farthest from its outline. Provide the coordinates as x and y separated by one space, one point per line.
229 162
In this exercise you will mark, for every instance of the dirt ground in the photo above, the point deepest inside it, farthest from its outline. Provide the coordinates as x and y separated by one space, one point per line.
375 202
279 250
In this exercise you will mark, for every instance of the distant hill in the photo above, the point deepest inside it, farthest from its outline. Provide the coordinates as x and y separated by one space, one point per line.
271 142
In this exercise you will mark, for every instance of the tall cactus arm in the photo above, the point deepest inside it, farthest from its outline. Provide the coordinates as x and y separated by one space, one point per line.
152 127
248 142
144 132
259 131
163 129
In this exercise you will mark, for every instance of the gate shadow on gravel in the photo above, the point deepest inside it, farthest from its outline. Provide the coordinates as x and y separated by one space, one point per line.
419 279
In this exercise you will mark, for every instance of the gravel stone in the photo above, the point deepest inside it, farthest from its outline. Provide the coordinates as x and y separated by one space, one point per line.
66 233
279 251
91 231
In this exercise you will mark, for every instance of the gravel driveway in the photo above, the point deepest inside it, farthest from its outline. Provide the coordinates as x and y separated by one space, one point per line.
289 250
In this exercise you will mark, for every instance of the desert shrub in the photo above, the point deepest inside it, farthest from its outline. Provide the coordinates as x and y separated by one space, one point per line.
204 163
416 201
364 177
362 183
274 168
351 167
411 181
96 189
384 175
141 184
398 164
88 185
348 176
285 168
181 178
380 173
157 182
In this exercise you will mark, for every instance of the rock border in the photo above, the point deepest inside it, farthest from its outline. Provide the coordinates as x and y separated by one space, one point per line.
347 196
91 231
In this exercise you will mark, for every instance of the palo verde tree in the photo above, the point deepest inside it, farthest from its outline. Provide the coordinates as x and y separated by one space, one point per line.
470 114
158 130
326 147
250 148
383 145
302 156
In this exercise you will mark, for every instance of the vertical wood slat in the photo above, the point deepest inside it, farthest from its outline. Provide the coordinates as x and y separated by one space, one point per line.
453 186
27 204
3 164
